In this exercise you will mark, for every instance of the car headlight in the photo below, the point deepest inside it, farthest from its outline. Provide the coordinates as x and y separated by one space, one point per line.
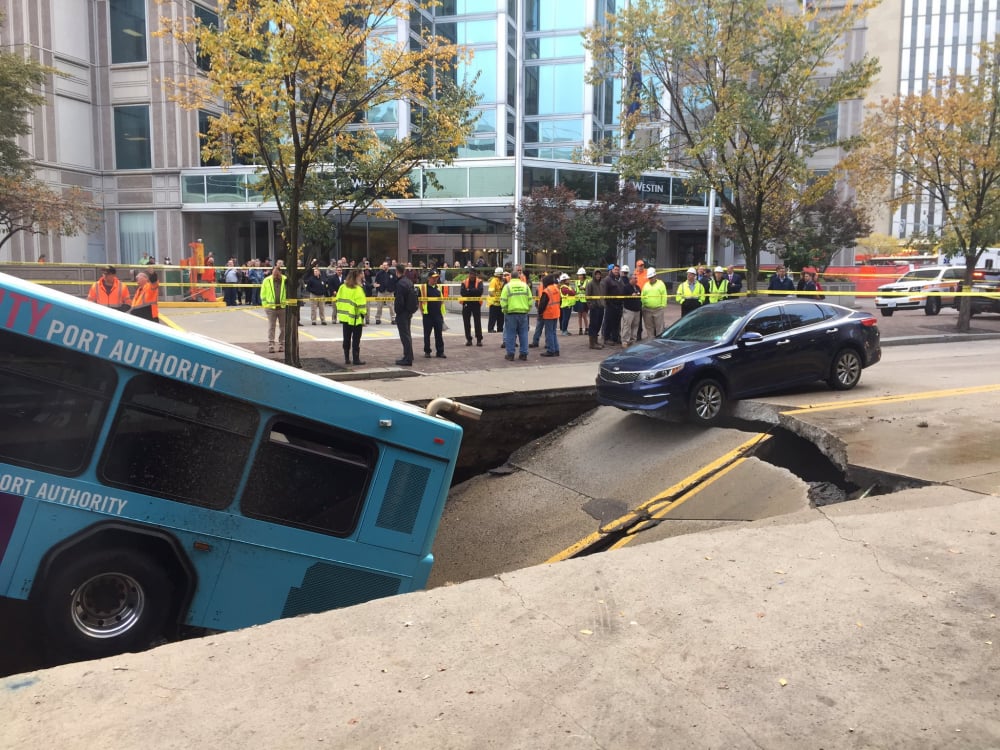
661 374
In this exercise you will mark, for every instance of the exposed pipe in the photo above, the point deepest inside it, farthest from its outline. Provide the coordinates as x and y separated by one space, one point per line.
455 407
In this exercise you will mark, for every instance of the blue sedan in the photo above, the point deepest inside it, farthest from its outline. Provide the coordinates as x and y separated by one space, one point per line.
736 349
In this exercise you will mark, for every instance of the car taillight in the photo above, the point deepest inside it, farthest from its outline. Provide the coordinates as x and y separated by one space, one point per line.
978 275
870 322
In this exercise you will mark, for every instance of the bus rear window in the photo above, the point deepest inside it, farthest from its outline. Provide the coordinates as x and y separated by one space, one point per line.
52 403
178 442
310 476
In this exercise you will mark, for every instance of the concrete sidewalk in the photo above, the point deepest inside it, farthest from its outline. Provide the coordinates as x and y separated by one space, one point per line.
855 626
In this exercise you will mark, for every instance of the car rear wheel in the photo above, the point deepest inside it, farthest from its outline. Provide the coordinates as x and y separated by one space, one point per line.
887 313
845 372
708 398
933 306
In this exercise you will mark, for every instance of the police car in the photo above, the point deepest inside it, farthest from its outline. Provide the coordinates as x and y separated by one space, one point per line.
927 287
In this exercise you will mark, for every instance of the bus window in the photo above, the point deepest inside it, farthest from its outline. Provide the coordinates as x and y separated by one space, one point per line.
52 403
178 441
309 476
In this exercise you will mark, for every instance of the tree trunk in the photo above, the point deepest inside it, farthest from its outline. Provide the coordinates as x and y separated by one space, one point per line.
964 312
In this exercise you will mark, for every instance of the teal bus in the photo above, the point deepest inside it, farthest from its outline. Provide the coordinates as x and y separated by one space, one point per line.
151 480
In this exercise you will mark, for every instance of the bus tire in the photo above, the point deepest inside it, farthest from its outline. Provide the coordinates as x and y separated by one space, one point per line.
104 602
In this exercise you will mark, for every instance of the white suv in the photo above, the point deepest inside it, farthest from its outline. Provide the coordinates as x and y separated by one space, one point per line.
917 283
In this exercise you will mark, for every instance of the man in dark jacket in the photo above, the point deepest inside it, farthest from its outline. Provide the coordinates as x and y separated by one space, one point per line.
472 306
781 282
385 290
613 289
405 304
317 294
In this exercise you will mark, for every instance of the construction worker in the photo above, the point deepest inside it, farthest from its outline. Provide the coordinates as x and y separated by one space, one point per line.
718 287
495 320
273 298
549 310
580 306
690 293
433 314
567 293
515 301
654 303
147 296
352 307
109 291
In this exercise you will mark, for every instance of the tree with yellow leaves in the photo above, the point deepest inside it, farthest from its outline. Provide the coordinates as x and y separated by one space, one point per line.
297 81
736 91
942 146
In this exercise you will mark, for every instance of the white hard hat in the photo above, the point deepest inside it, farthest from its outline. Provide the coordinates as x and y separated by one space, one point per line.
692 271
720 269
498 271
625 269
564 277
650 272
581 272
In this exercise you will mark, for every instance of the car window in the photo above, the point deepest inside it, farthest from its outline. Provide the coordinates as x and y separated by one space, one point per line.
830 312
954 273
920 274
803 314
766 322
709 323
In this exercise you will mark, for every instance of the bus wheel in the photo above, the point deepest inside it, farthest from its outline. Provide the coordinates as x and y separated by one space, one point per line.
105 602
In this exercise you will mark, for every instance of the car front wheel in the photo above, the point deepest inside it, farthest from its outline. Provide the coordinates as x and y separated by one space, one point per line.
887 313
933 306
708 398
845 372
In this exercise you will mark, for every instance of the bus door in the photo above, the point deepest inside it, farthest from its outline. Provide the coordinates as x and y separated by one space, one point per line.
327 519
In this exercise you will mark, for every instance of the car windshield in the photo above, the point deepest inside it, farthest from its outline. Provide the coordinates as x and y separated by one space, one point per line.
706 324
919 274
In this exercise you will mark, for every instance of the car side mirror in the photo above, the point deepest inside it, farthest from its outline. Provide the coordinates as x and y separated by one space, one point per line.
749 337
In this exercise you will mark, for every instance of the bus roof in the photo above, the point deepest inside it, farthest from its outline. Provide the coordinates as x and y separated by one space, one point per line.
144 346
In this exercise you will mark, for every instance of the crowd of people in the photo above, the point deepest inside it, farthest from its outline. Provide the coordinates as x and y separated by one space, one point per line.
615 306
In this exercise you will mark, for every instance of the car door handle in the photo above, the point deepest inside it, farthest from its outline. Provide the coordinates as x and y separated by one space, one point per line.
832 330
786 341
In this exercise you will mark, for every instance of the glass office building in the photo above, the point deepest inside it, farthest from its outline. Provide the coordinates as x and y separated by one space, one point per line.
110 128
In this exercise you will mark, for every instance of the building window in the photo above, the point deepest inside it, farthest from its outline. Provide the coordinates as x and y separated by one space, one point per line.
211 20
546 15
132 148
128 31
553 89
136 236
826 126
204 120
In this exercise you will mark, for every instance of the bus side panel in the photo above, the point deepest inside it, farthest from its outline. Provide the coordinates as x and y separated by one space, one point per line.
50 525
262 581
405 502
15 521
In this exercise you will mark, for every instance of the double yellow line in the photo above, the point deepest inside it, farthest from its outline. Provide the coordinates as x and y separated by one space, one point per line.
656 508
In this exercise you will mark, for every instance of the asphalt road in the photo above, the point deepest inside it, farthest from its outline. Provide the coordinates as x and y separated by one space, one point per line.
926 411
